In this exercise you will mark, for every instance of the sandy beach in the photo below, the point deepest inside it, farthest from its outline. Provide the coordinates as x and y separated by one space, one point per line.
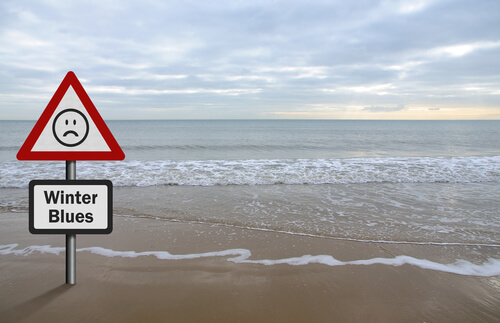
213 287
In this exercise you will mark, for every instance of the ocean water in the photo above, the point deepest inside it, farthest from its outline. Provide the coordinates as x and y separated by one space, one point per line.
420 182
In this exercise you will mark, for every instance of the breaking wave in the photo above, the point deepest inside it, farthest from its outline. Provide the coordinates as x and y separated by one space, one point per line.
264 171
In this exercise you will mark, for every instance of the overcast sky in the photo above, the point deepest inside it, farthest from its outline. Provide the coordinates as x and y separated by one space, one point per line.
158 59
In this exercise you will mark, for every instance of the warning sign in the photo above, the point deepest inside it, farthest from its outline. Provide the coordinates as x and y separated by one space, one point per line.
70 128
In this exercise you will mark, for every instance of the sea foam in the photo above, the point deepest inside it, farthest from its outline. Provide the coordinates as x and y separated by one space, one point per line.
460 267
266 171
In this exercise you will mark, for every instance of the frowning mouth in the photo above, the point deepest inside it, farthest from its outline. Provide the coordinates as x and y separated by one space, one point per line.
70 132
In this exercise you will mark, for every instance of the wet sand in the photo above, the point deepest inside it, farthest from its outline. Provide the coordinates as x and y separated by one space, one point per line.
216 289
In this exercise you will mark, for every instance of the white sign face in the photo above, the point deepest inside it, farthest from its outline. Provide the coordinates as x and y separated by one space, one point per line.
72 206
70 128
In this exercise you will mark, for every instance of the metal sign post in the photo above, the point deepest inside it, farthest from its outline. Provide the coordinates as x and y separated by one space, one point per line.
71 238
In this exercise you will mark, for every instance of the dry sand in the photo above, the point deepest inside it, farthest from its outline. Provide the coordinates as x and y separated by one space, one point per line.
213 289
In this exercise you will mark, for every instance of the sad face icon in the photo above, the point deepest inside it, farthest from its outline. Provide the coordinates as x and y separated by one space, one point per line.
70 127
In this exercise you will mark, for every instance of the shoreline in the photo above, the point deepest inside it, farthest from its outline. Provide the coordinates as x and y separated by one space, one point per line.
212 288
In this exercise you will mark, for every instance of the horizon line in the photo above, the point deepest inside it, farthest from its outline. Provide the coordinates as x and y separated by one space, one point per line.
272 119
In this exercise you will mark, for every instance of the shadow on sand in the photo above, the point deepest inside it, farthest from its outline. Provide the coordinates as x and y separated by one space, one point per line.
29 307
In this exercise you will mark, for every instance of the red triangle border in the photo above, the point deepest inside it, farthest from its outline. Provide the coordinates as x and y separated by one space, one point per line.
26 153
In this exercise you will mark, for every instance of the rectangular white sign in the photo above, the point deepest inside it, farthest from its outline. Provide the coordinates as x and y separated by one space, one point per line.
70 206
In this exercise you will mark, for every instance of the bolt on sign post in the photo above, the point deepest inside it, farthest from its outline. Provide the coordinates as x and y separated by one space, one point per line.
70 129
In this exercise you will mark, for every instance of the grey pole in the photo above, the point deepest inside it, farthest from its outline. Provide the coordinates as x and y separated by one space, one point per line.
71 238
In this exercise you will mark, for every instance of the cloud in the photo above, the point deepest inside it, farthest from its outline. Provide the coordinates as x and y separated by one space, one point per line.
459 50
384 109
125 91
250 57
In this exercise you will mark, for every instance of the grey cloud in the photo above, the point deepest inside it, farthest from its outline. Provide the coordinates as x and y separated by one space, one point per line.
384 109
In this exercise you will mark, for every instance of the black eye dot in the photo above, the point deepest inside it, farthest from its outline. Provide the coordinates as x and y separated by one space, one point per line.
66 121
74 122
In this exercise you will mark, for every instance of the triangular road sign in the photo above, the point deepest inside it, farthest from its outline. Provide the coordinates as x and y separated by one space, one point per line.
70 128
